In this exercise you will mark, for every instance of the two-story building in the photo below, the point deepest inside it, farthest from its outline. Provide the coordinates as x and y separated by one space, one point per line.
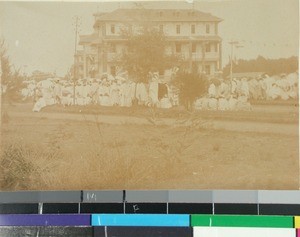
190 33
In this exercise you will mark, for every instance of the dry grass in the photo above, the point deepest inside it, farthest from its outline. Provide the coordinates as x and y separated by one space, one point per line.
216 147
46 154
24 167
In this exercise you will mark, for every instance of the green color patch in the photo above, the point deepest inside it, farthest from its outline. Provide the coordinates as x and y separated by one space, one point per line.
242 221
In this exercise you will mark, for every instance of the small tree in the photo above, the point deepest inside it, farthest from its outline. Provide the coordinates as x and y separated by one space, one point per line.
12 81
191 86
145 53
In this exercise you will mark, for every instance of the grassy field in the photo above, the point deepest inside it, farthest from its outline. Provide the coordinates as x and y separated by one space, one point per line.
43 153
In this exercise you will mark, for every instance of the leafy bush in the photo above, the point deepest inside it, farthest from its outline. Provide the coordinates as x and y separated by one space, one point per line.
192 86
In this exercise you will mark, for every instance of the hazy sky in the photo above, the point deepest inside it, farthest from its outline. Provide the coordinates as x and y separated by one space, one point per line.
40 35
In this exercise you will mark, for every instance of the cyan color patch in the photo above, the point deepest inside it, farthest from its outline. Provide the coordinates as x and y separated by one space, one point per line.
140 220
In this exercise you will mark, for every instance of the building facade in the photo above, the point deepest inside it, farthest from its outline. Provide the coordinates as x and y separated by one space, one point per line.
191 34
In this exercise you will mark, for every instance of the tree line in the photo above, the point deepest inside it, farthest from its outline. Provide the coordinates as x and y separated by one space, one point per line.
261 64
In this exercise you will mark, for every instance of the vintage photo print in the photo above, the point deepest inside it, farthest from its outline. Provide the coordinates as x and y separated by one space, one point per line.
196 94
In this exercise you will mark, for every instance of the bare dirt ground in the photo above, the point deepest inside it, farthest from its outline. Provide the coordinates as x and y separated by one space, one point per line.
98 148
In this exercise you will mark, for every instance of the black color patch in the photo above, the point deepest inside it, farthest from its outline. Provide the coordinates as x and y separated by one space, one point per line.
190 208
60 208
146 208
101 208
28 208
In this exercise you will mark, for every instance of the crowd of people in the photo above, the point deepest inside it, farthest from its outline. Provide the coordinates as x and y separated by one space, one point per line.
107 91
236 94
222 94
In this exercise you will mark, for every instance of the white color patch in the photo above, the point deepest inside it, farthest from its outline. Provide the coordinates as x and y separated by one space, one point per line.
242 232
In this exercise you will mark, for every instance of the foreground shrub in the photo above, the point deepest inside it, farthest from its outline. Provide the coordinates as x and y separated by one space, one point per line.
24 168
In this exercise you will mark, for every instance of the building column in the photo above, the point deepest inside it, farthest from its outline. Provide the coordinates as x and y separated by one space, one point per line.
99 60
220 55
190 56
84 62
203 56
104 58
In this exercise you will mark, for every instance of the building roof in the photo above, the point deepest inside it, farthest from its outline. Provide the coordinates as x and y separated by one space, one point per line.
88 38
156 15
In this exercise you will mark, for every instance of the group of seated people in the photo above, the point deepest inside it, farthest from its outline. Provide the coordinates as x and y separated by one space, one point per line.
106 91
236 94
222 94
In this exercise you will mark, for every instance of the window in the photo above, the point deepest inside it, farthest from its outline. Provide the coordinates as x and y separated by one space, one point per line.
207 29
194 48
216 28
113 70
193 29
161 28
91 59
112 48
207 48
178 48
178 29
112 29
207 69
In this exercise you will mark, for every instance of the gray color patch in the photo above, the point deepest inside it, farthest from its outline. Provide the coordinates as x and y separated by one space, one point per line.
147 196
279 197
235 196
103 196
40 196
190 196
19 197
60 196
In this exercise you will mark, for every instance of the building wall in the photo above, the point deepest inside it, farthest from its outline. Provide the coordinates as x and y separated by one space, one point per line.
169 28
112 55
185 29
117 27
103 58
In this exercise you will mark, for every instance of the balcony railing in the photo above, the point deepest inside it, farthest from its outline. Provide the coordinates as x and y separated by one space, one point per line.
113 56
198 56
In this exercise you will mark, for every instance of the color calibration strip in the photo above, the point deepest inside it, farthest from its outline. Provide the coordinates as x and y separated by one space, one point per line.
155 220
120 213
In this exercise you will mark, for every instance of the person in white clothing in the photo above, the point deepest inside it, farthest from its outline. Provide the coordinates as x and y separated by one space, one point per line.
212 90
114 94
153 92
141 93
105 100
57 92
244 87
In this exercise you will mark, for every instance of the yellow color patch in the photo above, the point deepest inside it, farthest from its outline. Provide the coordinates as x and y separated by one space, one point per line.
297 221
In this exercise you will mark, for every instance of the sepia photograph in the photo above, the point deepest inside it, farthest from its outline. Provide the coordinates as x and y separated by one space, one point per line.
191 94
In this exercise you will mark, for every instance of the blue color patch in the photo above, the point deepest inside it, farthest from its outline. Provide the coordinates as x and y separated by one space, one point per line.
140 220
